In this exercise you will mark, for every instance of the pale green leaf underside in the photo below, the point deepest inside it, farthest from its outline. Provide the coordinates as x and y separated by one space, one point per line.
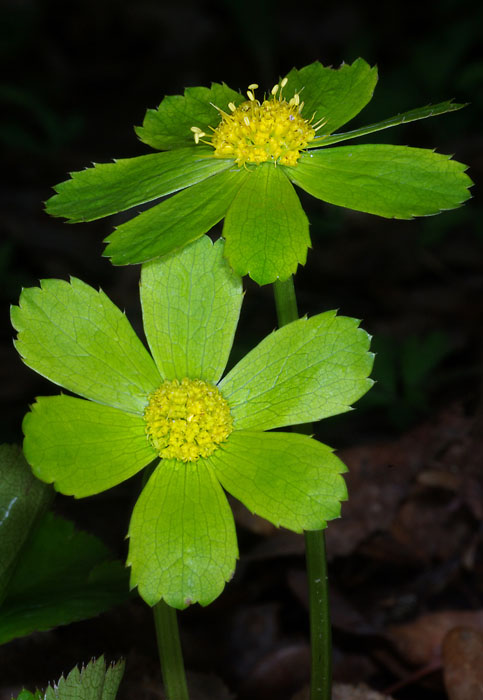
22 499
291 480
63 576
168 226
335 95
305 371
84 447
108 188
266 230
391 181
404 118
76 337
92 682
191 303
182 536
169 126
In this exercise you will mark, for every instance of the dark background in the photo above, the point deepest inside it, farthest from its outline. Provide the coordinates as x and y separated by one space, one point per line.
78 75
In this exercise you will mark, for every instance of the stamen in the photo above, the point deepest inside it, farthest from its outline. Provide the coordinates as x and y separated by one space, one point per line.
253 86
197 133
223 114
274 90
232 106
319 124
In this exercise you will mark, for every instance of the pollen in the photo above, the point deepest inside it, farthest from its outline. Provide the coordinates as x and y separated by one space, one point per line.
255 132
187 420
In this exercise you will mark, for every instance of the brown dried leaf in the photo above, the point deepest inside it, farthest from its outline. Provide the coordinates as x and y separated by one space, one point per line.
444 453
463 663
343 614
420 642
343 691
431 529
203 686
278 673
378 481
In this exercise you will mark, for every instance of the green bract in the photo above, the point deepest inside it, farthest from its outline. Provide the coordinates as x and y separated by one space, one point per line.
265 228
182 536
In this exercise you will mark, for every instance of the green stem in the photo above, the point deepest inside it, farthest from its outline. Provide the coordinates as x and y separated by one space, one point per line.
320 632
285 301
170 654
169 645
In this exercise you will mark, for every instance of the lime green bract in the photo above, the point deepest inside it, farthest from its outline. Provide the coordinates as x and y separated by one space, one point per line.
224 156
182 537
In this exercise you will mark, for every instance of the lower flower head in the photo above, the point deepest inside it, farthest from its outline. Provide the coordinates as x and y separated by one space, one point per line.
214 433
187 420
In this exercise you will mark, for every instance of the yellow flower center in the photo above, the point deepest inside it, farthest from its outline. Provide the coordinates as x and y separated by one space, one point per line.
187 420
273 130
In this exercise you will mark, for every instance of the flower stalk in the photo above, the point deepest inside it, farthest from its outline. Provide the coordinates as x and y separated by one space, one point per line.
320 629
170 654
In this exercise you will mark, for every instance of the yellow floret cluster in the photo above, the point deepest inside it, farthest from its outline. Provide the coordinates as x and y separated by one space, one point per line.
187 420
273 130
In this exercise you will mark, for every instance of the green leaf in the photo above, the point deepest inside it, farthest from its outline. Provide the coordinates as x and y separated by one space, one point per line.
182 536
266 230
76 337
334 95
22 500
92 682
169 126
307 370
63 576
27 695
390 181
84 447
404 118
191 303
291 480
108 188
175 222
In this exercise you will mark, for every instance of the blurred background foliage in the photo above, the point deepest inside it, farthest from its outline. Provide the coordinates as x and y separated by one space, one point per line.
77 76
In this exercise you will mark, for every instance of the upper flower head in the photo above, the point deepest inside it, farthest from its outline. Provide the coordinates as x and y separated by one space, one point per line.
256 132
237 159
172 406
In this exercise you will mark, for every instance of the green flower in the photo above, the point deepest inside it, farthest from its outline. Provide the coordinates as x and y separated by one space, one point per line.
232 158
209 433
